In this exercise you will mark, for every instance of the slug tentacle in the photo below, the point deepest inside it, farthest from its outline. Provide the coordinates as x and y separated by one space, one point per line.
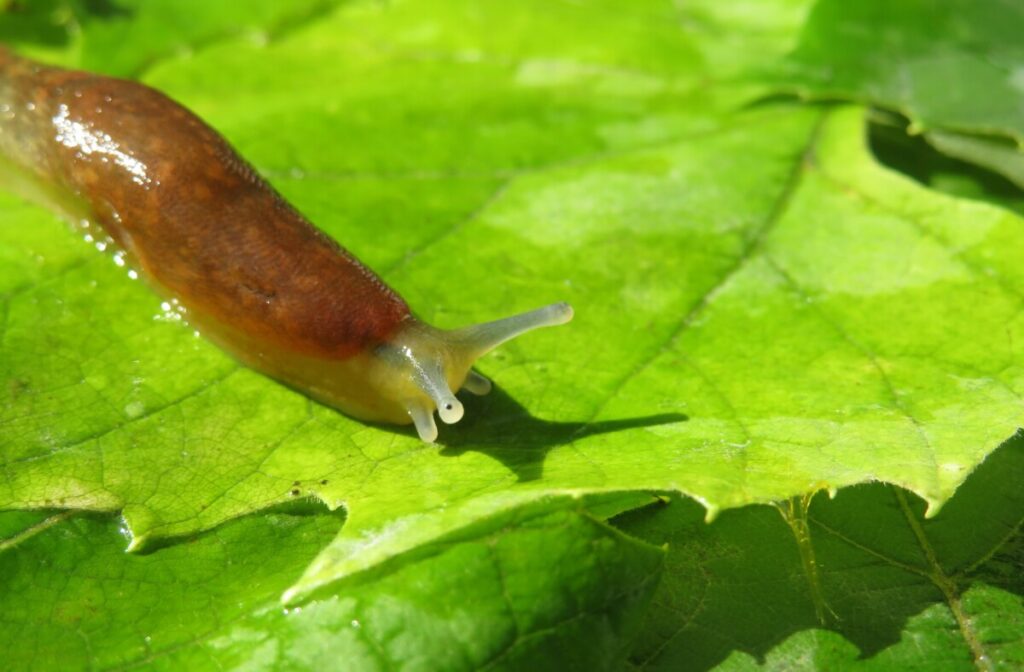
480 339
423 417
476 384
422 365
431 379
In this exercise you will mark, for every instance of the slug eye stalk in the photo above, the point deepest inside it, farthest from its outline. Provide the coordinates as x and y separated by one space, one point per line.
433 362
479 339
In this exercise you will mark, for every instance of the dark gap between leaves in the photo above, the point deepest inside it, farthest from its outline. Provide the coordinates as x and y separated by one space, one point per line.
894 147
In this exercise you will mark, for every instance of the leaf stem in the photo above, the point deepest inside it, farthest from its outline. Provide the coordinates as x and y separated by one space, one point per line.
41 526
794 512
945 584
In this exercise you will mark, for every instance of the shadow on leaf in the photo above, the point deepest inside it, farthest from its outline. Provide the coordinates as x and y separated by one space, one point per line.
300 507
500 427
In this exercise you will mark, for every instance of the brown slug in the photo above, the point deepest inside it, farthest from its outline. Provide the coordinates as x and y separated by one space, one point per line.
252 273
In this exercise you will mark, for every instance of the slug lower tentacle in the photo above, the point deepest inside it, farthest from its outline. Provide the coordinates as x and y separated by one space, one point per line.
253 275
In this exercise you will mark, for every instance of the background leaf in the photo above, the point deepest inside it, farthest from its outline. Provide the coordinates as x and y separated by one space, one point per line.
973 175
952 64
954 69
901 591
124 37
487 600
997 156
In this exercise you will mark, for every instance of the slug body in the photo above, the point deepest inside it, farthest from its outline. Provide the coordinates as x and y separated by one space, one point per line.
251 273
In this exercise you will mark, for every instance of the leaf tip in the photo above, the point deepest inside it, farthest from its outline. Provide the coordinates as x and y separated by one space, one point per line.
934 506
136 544
290 596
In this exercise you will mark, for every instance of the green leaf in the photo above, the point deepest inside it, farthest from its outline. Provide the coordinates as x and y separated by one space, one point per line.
986 169
996 156
72 598
885 588
124 37
520 593
948 64
953 68
762 309
839 397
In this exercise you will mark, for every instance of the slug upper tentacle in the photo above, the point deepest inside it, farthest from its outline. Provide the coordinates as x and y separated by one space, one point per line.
254 275
476 384
429 363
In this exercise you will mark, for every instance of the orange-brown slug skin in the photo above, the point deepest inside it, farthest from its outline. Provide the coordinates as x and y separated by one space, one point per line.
252 274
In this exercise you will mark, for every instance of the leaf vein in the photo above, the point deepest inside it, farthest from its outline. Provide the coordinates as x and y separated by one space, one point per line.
206 386
750 249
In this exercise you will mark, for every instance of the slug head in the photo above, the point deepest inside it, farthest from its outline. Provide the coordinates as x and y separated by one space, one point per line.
421 366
